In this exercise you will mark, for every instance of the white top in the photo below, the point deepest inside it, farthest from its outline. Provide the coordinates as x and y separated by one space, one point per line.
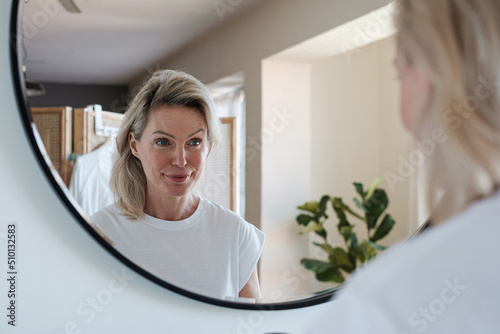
446 280
212 252
89 183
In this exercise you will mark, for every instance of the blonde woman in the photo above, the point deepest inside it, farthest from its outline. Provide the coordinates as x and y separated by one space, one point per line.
446 280
166 135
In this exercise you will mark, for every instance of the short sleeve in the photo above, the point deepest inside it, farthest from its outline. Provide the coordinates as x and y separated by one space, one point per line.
250 250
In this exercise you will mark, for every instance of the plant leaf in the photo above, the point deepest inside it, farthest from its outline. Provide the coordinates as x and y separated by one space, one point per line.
326 247
321 233
304 219
330 275
322 207
352 258
325 271
373 187
356 249
369 251
312 226
341 259
316 266
383 229
354 240
359 204
359 189
339 206
310 206
375 207
377 247
346 231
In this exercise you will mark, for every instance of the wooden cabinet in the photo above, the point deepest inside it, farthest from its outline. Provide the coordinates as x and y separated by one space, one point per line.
54 125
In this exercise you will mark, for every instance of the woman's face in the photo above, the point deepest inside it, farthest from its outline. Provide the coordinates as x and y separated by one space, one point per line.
416 89
172 150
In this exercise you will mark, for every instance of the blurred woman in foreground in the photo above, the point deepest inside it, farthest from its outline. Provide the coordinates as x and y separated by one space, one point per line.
446 280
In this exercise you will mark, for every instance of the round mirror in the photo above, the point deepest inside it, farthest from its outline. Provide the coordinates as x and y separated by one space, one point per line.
307 109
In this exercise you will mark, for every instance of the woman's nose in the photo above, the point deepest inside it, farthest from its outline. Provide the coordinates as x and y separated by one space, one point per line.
179 157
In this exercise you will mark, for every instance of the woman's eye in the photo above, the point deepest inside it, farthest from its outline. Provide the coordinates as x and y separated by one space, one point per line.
162 142
195 142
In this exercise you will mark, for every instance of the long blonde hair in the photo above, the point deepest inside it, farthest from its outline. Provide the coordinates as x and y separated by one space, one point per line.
165 87
457 42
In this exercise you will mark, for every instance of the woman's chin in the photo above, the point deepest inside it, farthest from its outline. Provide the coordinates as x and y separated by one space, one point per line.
179 191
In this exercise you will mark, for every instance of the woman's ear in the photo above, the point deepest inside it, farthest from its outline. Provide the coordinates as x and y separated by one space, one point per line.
133 144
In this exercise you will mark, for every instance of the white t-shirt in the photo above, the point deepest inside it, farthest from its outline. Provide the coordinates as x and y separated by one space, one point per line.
213 252
446 280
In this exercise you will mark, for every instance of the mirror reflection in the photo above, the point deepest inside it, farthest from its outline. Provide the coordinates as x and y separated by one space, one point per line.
304 112
166 136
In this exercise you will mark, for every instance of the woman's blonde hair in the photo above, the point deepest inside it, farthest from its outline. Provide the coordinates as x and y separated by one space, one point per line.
164 88
457 42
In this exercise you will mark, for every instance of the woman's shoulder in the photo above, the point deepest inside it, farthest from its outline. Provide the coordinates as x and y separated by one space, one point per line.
107 216
220 215
443 248
216 209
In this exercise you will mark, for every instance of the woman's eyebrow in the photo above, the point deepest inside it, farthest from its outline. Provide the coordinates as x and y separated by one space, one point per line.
200 129
164 133
172 136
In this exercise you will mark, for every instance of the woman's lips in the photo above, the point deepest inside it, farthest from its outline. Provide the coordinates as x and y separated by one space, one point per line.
178 178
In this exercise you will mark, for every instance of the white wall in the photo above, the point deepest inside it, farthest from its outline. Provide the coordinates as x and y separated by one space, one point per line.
286 174
350 132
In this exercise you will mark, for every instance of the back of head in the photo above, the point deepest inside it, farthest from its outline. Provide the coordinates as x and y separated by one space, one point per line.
457 43
164 88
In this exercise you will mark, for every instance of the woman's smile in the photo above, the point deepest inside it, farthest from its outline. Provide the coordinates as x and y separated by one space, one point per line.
178 178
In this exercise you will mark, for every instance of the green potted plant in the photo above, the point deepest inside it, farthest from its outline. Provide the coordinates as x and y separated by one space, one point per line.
342 261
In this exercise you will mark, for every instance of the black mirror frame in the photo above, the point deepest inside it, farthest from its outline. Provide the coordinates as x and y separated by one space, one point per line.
19 83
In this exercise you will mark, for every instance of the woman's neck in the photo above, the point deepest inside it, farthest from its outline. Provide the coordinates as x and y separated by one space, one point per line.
172 208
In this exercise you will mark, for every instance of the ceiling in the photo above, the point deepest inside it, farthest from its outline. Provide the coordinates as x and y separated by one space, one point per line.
346 39
112 41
